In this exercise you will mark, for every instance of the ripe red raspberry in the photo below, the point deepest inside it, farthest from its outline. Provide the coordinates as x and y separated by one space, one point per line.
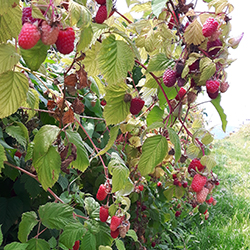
202 195
159 184
176 182
210 200
49 33
115 234
169 77
217 183
115 222
198 182
209 27
174 176
153 244
141 187
76 246
18 154
101 193
65 41
101 14
212 86
171 23
216 44
27 16
180 94
103 102
29 36
103 213
213 95
195 164
136 105
177 213
101 2
185 184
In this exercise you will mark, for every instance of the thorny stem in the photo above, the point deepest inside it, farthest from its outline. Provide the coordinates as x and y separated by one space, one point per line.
123 16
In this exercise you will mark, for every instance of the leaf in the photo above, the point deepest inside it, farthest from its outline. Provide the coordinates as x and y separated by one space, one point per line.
159 62
71 233
174 138
1 235
29 220
8 57
10 23
56 215
127 190
88 242
112 137
157 6
103 235
223 117
207 68
154 149
16 245
208 161
193 33
38 244
115 59
168 193
2 158
155 115
131 233
85 39
116 110
119 171
91 205
13 89
35 56
6 6
104 248
82 160
179 192
119 244
192 151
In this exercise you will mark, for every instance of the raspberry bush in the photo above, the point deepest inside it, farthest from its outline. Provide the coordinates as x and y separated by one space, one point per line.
102 143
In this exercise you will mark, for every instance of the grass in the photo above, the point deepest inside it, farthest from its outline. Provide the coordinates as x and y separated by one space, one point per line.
228 225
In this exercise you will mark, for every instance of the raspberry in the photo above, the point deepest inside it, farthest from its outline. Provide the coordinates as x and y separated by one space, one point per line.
101 2
209 27
217 44
177 213
136 105
65 41
174 176
115 234
159 184
194 66
210 200
18 154
180 94
103 102
202 195
217 183
185 184
198 182
224 87
101 14
76 246
27 16
141 187
171 23
153 244
103 213
213 95
122 231
101 193
169 77
176 182
212 86
29 36
49 34
115 223
195 163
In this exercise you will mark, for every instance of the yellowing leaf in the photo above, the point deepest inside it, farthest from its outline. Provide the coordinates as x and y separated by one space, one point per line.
193 33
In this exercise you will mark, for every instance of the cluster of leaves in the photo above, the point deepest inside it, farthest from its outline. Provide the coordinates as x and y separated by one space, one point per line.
66 125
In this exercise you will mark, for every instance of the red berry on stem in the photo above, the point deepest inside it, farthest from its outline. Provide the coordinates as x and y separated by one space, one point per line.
212 86
101 2
29 36
141 187
174 176
115 223
103 102
195 164
153 244
76 245
115 234
65 41
176 182
103 213
49 33
169 77
101 193
180 94
198 182
177 213
159 184
136 105
210 200
185 184
101 14
18 154
209 27
27 16
202 195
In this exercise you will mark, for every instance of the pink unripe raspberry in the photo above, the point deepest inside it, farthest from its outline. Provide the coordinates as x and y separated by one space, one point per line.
169 77
209 27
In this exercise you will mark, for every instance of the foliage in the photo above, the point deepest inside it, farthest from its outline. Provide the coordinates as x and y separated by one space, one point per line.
66 126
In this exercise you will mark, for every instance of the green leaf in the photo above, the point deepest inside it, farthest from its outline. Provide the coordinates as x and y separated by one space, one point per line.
1 235
104 248
155 115
174 138
29 220
85 39
88 242
179 192
8 57
13 89
103 235
208 161
56 215
119 244
170 92
168 193
10 22
193 151
223 117
127 189
6 6
159 62
119 171
91 205
38 244
71 233
82 160
116 110
193 33
131 233
157 6
36 13
2 158
112 137
206 72
154 149
35 56
16 246
115 59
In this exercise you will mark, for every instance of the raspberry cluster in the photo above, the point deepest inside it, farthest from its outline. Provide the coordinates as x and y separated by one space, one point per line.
102 13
